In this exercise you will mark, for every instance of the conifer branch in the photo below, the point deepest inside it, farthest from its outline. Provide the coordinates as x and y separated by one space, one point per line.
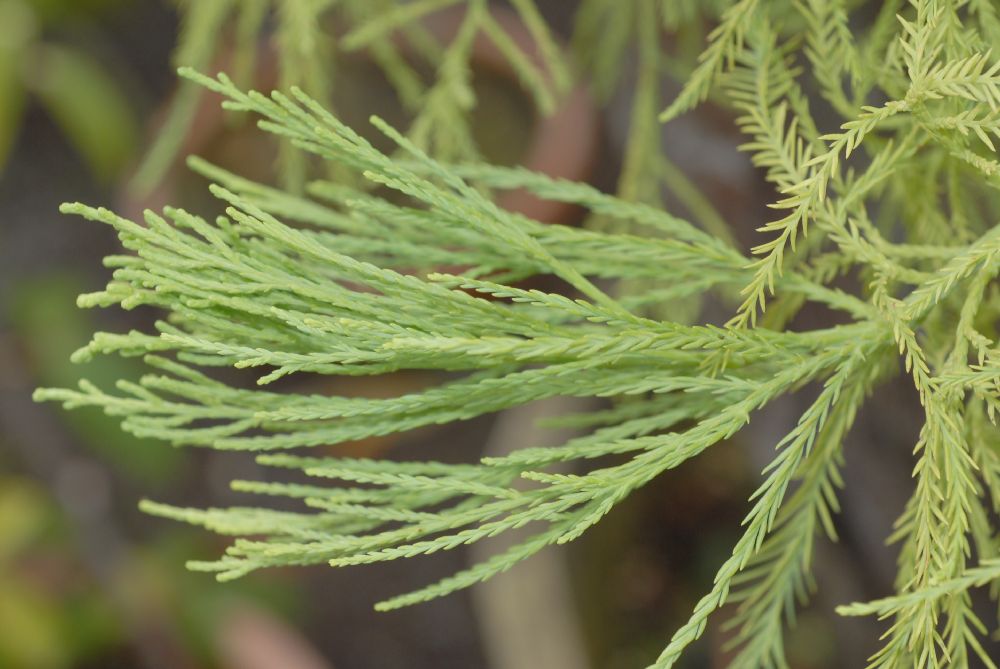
411 264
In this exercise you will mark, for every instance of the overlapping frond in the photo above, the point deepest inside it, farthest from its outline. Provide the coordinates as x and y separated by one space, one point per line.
412 265
305 44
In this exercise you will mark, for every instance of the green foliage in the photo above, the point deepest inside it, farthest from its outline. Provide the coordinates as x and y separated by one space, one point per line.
899 200
77 93
53 622
50 332
304 40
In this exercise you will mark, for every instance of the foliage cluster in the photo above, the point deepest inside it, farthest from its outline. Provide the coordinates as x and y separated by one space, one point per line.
888 218
388 31
76 91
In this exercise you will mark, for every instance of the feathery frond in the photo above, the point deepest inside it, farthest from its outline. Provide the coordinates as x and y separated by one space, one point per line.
411 264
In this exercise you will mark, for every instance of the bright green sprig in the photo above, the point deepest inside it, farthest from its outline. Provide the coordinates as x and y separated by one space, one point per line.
410 264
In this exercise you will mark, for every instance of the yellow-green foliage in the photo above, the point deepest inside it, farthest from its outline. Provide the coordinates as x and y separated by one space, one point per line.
900 194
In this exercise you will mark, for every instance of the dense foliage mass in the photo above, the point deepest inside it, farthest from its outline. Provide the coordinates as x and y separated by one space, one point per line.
899 201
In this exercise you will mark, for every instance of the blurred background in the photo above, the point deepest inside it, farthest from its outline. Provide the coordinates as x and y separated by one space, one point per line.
86 581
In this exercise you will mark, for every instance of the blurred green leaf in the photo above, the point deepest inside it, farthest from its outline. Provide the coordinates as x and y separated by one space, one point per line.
53 11
24 514
18 25
49 616
11 103
17 30
29 628
89 624
50 332
89 108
